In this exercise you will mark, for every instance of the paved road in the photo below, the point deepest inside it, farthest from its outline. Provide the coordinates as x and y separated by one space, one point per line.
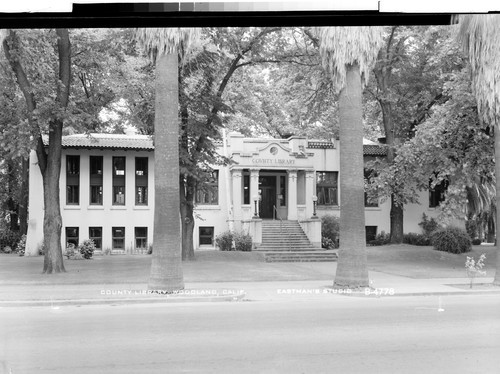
338 335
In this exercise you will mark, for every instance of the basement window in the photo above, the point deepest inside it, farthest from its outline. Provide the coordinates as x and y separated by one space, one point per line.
206 236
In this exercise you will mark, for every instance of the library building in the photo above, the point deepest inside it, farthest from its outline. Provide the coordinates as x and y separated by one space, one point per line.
107 192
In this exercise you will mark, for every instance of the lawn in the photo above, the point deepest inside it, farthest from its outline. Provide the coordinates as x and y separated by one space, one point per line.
425 262
216 266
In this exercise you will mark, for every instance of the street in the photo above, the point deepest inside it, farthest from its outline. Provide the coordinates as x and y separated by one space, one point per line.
340 334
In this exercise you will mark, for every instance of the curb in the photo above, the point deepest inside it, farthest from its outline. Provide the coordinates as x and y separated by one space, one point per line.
430 293
166 299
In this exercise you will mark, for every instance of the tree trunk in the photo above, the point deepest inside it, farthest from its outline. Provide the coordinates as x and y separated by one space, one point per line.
52 220
397 211
51 171
396 222
23 197
490 238
166 266
12 204
187 220
497 188
352 270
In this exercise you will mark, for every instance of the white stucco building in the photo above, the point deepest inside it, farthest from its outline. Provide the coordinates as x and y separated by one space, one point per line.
107 190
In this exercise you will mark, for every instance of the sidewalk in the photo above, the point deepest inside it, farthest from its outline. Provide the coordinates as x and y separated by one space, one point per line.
383 285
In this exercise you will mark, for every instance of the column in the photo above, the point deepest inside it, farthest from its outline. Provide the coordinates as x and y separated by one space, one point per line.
236 182
254 189
292 194
310 192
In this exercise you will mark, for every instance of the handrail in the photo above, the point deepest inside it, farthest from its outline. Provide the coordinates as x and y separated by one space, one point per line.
276 213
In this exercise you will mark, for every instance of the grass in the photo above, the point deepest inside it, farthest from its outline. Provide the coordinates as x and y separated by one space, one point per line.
425 262
217 266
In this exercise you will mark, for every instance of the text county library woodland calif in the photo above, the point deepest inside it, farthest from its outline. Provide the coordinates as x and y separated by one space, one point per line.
107 191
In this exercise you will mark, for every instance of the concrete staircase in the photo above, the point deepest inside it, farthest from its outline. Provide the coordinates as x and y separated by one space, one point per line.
285 241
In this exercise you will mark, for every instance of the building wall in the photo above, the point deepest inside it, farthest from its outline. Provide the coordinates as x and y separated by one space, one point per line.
270 156
85 215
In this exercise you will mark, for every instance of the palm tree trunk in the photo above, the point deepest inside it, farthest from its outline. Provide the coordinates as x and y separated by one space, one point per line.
166 266
352 270
497 211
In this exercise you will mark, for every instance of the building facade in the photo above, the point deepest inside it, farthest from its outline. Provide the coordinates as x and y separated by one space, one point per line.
107 191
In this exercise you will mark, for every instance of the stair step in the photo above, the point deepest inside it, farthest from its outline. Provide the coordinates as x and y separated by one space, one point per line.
285 249
301 257
286 242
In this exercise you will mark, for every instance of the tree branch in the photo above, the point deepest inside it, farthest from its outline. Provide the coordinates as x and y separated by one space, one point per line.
27 91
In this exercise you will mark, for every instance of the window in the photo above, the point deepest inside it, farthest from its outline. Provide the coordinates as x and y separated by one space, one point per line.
96 180
206 236
371 233
72 180
118 180
118 235
326 187
437 194
209 195
371 203
141 238
246 188
283 190
141 180
95 233
72 235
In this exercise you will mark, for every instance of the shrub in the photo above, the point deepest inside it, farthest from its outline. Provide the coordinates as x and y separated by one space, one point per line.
476 241
381 239
106 251
451 239
150 249
224 241
9 238
41 249
327 243
21 246
416 239
7 249
474 268
87 248
472 227
77 256
242 242
428 225
70 250
330 228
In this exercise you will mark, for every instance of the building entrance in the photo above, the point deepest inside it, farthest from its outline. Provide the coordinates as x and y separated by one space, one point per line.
267 190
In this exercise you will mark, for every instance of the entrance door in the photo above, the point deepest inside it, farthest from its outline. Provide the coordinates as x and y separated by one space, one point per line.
267 187
268 202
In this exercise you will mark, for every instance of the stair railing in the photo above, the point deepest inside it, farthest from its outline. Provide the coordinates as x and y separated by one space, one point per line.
277 214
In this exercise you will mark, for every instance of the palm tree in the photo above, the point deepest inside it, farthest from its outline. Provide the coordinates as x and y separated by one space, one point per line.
348 54
480 37
162 45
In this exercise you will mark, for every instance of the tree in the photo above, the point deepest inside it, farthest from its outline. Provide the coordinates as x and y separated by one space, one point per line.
409 75
347 54
162 46
480 37
451 145
50 108
14 153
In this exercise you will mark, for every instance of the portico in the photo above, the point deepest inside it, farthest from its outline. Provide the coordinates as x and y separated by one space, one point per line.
270 179
271 192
